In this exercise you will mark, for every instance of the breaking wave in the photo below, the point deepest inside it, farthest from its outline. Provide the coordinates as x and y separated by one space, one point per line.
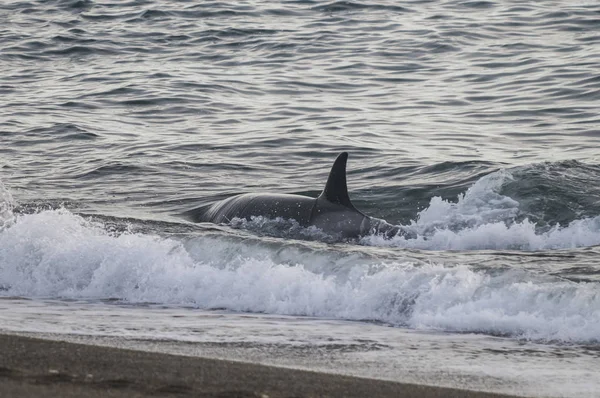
55 253
484 218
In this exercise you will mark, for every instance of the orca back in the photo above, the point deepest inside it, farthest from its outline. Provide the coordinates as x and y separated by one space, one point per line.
266 205
332 211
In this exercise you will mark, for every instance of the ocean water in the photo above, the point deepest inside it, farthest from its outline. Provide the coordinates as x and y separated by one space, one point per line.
473 124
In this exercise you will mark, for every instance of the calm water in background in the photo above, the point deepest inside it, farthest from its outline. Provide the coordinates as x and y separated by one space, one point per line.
473 123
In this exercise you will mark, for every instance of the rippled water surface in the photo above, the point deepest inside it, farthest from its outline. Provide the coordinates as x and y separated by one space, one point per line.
473 124
149 102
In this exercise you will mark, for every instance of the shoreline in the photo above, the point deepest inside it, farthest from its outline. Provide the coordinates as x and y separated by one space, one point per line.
33 367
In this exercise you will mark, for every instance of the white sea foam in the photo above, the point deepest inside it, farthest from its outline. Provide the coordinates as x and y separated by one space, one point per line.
58 254
482 219
498 236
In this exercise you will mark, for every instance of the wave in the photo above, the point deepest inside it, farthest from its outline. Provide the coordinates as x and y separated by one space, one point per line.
485 218
55 253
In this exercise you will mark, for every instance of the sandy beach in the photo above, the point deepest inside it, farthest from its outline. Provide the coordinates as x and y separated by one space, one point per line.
31 367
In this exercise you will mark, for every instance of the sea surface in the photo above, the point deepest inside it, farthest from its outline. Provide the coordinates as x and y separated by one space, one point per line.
473 124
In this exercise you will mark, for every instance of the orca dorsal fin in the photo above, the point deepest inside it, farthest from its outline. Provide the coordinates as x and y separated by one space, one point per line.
336 190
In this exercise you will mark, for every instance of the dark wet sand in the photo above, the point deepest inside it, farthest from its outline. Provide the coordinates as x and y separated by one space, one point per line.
42 368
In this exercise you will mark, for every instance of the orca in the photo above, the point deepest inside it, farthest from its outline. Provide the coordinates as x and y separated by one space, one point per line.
332 211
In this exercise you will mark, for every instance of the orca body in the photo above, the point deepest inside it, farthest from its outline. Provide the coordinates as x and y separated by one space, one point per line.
332 211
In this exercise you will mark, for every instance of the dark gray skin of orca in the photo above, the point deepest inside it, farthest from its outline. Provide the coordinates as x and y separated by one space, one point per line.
332 211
